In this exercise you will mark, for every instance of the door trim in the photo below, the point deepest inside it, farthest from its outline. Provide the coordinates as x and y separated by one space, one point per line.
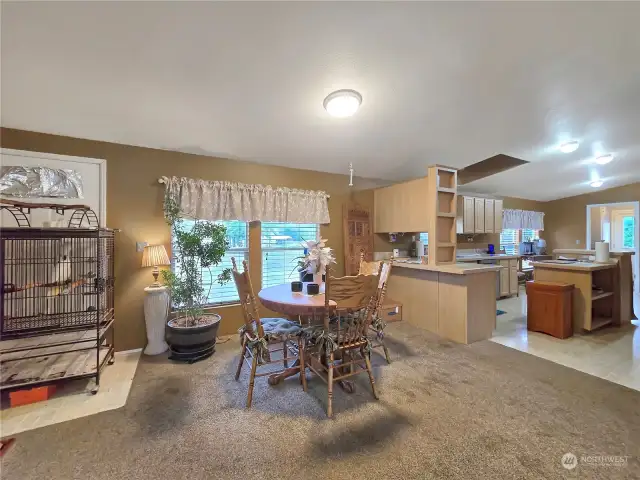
102 165
636 209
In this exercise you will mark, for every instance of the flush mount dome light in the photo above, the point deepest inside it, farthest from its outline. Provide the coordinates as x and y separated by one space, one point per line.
569 147
604 159
596 183
342 103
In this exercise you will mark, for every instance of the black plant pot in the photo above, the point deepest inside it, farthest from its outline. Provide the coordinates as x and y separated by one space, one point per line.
308 277
190 344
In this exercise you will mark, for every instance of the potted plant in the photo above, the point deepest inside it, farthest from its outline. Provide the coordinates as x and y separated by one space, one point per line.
191 334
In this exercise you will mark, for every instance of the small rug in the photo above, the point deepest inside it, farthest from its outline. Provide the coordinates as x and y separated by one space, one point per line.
500 312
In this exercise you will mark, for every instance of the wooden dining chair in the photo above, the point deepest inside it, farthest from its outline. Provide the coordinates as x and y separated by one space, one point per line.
258 334
368 268
343 336
377 323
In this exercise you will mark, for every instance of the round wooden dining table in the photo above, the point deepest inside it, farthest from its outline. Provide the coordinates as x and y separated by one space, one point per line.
281 299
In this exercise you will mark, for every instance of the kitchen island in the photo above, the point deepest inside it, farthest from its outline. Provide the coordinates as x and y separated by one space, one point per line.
456 301
596 293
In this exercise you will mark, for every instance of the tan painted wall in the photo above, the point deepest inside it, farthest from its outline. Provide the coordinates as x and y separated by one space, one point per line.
566 219
134 205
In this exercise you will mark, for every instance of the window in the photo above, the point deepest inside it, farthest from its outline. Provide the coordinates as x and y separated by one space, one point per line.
281 245
511 239
628 224
238 248
424 238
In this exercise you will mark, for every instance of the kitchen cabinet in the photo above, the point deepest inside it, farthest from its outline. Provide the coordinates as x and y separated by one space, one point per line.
479 215
508 277
401 207
489 215
504 278
497 216
513 277
465 222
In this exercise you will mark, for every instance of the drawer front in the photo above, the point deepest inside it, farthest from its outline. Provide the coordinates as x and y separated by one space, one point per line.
391 313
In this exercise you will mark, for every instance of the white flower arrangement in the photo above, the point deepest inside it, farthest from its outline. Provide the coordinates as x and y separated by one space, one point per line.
318 257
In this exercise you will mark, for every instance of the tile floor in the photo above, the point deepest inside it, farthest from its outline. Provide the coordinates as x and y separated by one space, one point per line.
611 353
74 400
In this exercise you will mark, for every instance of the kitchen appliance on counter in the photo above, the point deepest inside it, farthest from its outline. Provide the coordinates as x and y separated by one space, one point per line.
492 249
540 246
526 248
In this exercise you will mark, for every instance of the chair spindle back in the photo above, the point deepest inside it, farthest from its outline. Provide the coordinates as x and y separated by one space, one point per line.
368 268
248 301
352 294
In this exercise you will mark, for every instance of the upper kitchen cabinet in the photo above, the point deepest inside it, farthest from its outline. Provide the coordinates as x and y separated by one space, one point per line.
401 207
489 215
497 216
479 215
466 215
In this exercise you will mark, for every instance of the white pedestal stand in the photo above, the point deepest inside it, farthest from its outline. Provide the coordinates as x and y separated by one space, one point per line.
156 309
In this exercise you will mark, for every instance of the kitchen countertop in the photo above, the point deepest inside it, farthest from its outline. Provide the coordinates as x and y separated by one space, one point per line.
577 266
453 268
486 256
579 251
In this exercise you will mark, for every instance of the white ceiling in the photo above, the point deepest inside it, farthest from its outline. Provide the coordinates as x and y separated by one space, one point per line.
448 82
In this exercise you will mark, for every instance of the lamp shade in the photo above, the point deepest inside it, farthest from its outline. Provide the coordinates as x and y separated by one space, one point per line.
155 255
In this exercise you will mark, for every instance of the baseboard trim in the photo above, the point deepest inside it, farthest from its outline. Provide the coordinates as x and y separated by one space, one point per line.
128 352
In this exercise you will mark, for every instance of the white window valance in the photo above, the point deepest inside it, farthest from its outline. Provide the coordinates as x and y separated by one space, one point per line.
214 200
522 219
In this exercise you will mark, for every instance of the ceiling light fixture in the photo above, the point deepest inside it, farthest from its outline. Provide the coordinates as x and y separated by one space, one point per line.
596 184
604 159
342 103
569 147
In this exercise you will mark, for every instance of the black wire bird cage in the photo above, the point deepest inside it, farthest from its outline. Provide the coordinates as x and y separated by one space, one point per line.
57 309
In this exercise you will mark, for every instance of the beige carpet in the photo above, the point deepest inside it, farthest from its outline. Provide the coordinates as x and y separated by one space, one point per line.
445 411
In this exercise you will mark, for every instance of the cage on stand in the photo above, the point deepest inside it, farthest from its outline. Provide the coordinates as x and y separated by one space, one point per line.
57 310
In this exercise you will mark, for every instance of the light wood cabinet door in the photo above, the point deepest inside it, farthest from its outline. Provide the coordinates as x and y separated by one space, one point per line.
468 214
479 215
497 216
380 210
513 277
415 198
401 207
488 216
504 278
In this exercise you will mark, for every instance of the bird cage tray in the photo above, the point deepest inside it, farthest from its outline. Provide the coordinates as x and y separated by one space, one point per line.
43 324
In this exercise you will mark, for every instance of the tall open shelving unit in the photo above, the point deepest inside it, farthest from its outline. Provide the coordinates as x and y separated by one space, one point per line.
441 210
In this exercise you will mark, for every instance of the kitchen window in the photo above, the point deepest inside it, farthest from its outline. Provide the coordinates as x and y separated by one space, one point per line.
238 237
281 246
510 239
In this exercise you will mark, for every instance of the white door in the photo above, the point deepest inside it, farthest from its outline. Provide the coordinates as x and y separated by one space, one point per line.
93 173
622 229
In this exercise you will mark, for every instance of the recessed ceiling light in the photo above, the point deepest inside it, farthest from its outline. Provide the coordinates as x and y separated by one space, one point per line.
596 184
604 159
569 147
342 103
